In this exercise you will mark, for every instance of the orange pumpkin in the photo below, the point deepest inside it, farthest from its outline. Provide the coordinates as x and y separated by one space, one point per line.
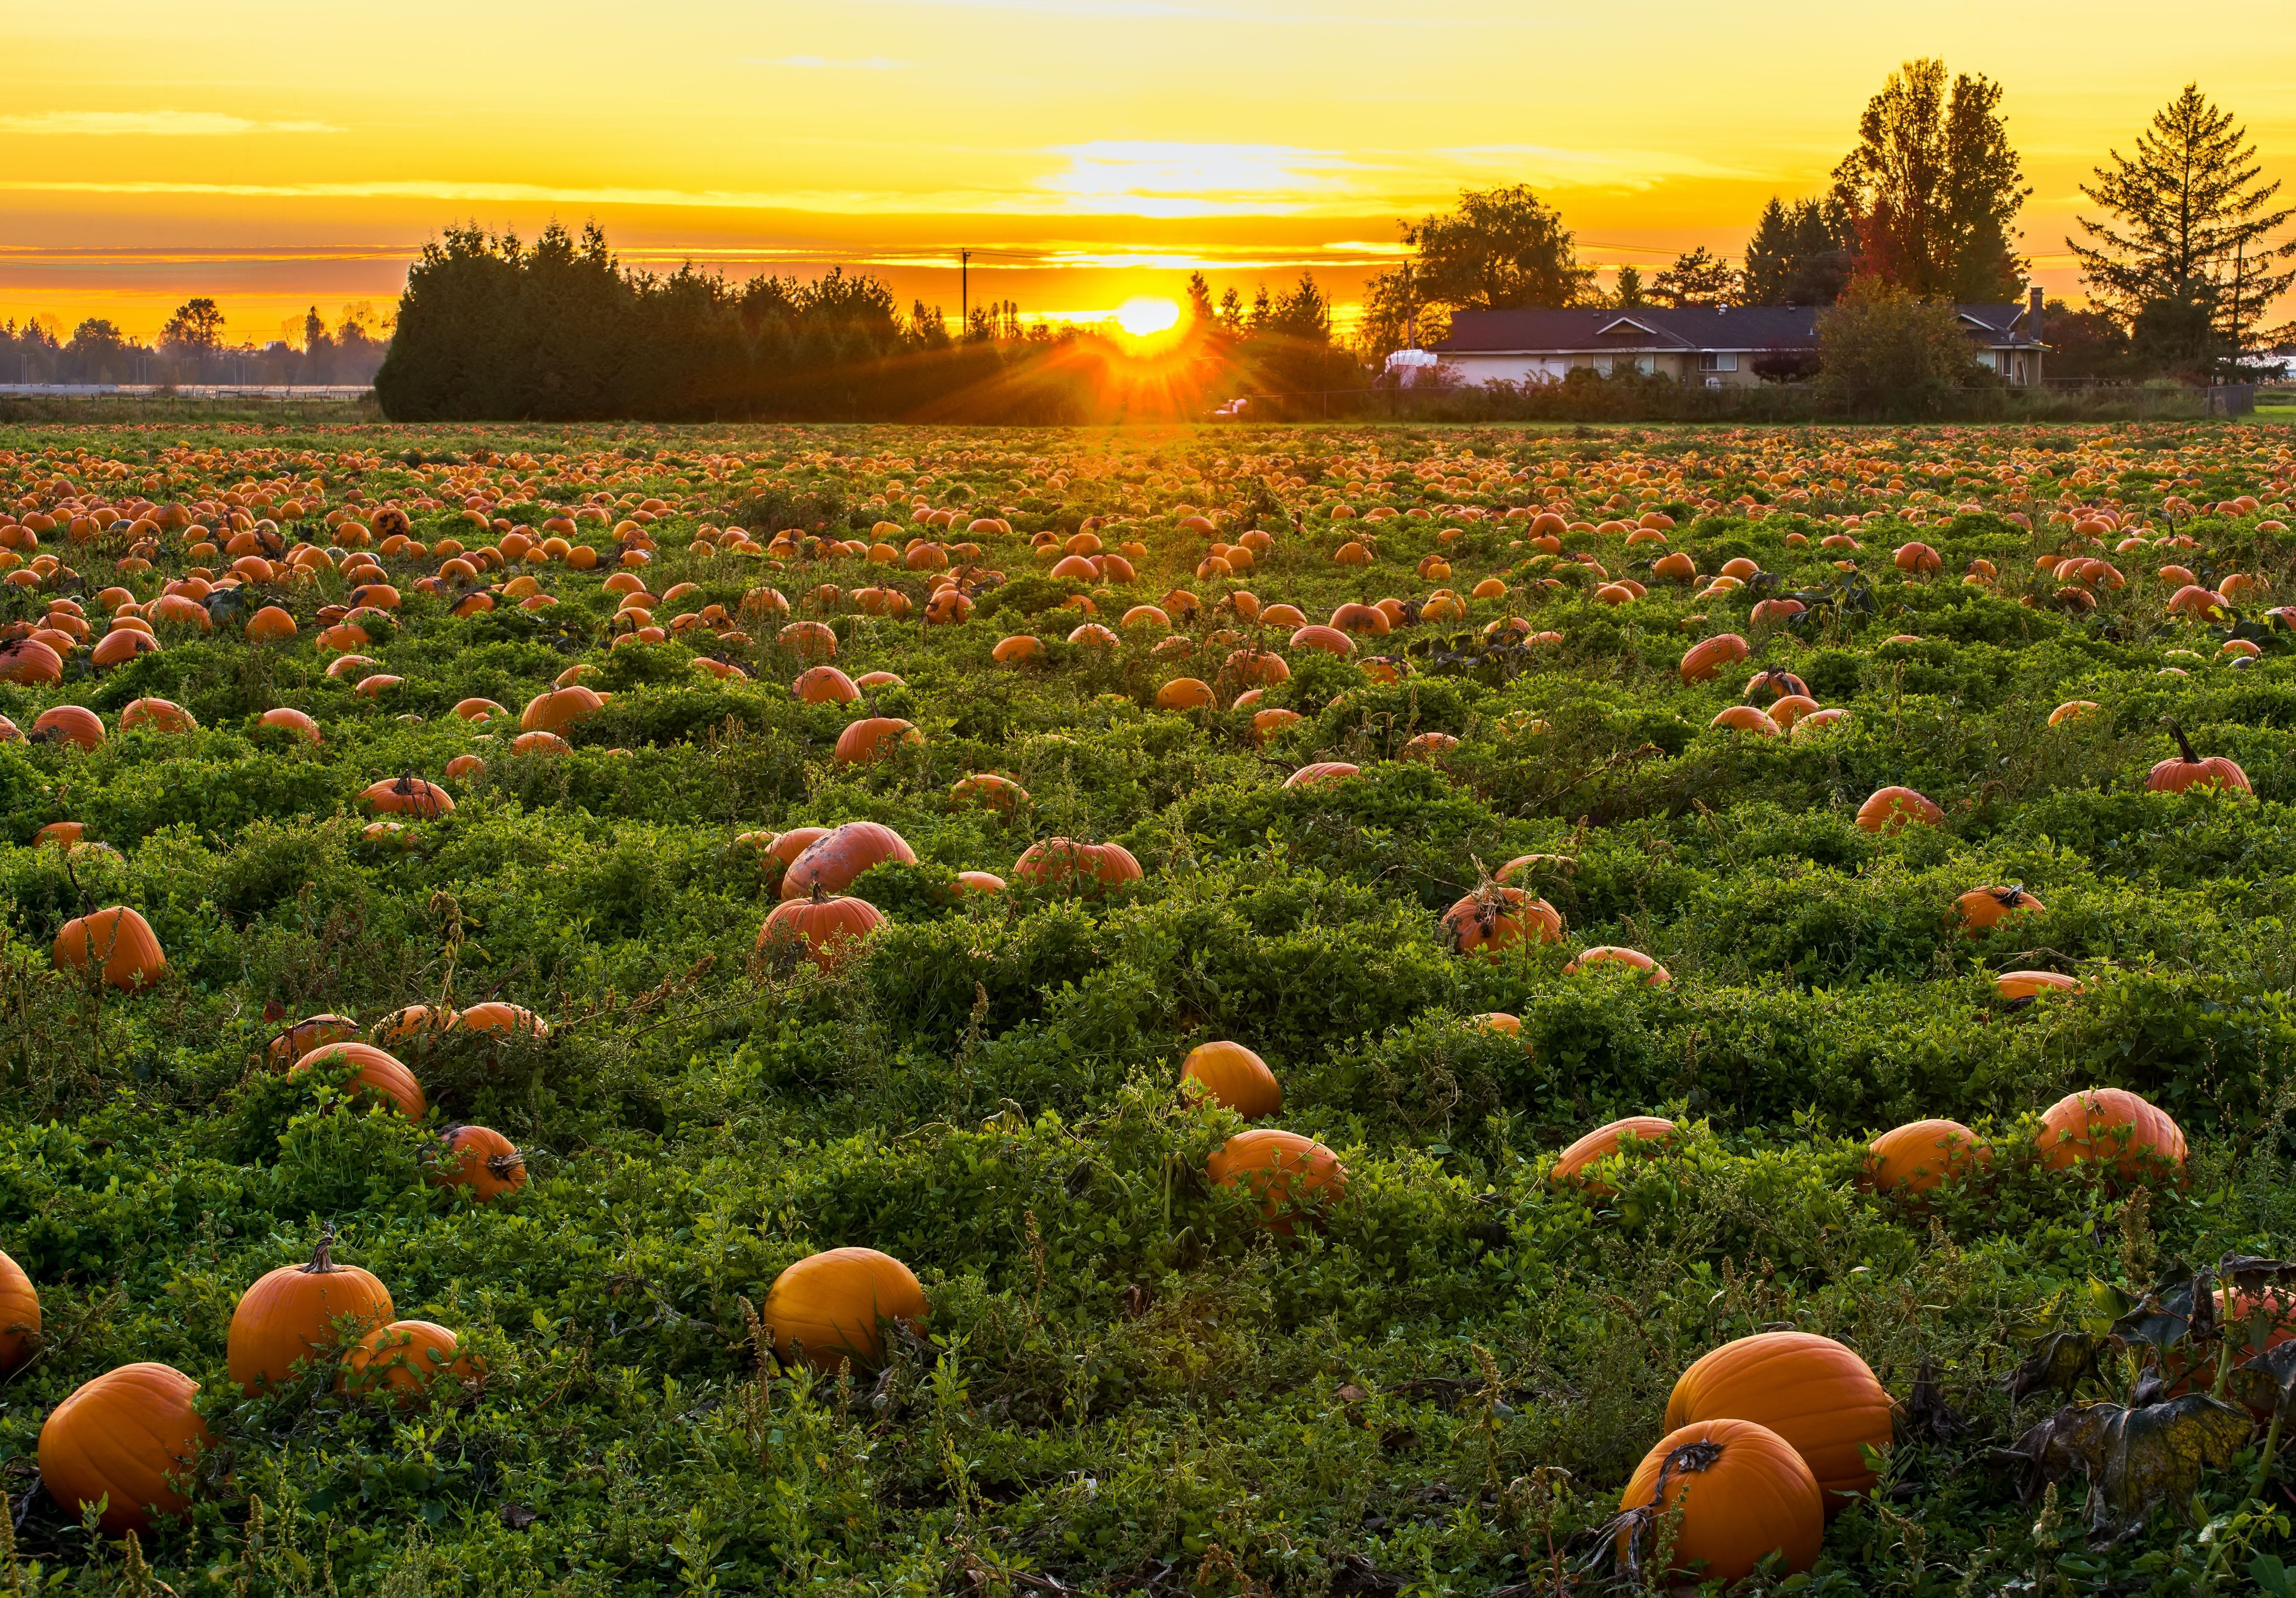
1813 1392
824 685
408 796
75 725
312 1032
413 1022
2188 770
128 1436
988 789
1284 1171
1321 771
1916 1157
832 861
297 1311
1235 1076
1051 862
495 1016
118 942
1742 1493
1982 909
830 1308
292 722
1891 808
1610 954
1711 655
1602 1143
20 1314
480 1159
403 1360
1494 918
786 847
2110 1125
558 708
2032 984
380 1073
872 738
825 929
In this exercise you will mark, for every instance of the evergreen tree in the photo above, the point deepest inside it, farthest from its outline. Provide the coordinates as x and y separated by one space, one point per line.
1698 277
1628 293
1801 254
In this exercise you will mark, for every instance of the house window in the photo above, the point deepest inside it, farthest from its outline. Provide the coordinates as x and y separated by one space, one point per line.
1710 360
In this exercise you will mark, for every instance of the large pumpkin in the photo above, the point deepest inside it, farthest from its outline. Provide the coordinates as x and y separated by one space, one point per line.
297 1311
495 1016
558 708
1711 655
829 1307
824 685
116 940
480 1159
1889 808
1915 1158
1051 861
1494 918
872 738
1231 1075
1812 1391
20 1314
1284 1171
312 1032
403 1359
1981 909
128 1436
832 862
75 725
2110 1125
1571 1165
823 928
2188 770
380 1073
408 796
1743 1493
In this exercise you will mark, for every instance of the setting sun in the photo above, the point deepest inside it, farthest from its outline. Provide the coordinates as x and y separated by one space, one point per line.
1147 314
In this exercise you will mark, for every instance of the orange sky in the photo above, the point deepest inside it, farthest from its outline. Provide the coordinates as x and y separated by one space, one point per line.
277 155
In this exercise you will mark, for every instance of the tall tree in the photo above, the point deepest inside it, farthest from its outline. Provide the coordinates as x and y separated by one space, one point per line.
1698 277
196 327
1501 250
2187 256
1935 187
1630 291
1801 254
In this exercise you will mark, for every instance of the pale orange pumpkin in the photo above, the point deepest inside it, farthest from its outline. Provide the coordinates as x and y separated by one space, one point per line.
830 1308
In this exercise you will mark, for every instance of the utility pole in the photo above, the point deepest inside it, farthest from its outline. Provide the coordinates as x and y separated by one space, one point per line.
963 282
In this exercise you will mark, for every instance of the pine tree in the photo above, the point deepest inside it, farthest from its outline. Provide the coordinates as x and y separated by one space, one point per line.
1801 254
1698 277
2189 263
1630 293
1769 263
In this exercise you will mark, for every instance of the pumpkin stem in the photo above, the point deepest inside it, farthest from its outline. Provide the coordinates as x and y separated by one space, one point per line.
819 897
502 1166
2184 743
322 1261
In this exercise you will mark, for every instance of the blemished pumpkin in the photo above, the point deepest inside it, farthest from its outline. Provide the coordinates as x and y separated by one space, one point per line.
404 1360
115 940
832 861
831 1307
1235 1076
19 1315
826 930
1287 1173
2113 1128
1812 1391
1919 1155
299 1312
480 1159
411 1024
379 1072
1494 918
1053 862
1742 1492
1602 1144
128 1440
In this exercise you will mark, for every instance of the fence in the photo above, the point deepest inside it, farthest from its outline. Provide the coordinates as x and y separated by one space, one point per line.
1659 401
279 391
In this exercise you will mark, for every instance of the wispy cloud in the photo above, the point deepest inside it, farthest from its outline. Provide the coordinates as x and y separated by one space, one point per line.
1632 169
1147 178
152 124
818 63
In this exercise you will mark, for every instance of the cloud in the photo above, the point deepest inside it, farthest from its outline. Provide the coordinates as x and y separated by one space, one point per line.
1632 169
152 124
1146 178
873 63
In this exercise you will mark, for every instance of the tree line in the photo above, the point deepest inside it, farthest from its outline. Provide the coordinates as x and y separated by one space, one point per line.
2182 262
194 348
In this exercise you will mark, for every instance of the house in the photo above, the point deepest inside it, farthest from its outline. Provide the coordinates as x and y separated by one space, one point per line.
1720 347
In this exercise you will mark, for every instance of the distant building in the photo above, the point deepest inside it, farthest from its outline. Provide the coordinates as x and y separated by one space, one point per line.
1720 347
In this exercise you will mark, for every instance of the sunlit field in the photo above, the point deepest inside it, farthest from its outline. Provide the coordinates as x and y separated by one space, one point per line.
1195 906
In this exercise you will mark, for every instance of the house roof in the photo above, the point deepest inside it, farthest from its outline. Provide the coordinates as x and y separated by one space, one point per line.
1578 331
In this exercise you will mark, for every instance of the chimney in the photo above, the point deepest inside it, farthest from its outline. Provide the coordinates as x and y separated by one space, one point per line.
2033 312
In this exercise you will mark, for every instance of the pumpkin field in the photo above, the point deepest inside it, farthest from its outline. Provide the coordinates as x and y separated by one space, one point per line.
1257 1010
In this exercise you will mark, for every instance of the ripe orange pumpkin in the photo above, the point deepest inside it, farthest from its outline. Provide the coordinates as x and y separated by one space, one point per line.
1287 1173
1982 909
1710 655
298 1311
1051 862
413 1022
379 1073
403 1359
118 941
293 721
2072 710
1891 808
829 1307
558 709
312 1032
408 796
1321 771
1233 1076
824 685
128 1436
20 1314
2032 984
1602 1143
75 725
1609 954
1812 1391
1744 1494
988 789
872 737
823 928
1329 640
1495 917
480 1159
1919 1155
2188 770
495 1016
832 861
1184 694
2112 1125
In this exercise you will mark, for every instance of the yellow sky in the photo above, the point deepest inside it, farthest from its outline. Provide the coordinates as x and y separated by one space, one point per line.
276 154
